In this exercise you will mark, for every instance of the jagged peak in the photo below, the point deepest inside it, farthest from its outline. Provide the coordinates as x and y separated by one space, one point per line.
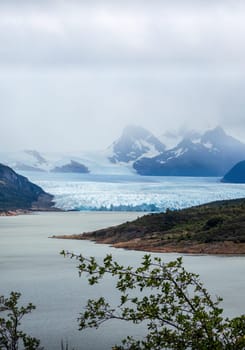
219 137
218 131
134 143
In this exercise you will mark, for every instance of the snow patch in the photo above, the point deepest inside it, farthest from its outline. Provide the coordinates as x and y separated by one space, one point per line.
198 140
152 151
208 145
179 152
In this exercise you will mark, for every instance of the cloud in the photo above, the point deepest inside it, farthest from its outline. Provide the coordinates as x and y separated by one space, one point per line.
122 33
74 73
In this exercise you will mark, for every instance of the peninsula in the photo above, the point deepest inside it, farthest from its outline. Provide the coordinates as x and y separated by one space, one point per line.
212 228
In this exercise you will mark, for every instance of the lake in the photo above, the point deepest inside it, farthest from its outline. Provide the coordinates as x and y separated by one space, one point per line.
30 263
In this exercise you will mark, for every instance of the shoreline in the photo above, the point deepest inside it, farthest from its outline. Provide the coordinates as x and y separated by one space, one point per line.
212 228
132 236
17 212
215 248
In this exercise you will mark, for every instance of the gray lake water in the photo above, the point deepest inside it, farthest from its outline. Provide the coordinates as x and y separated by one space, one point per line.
30 263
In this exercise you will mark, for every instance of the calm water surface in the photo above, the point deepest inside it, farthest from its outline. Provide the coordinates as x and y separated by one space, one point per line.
30 263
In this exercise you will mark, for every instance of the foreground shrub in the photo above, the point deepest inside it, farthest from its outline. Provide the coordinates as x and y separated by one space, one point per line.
11 337
179 311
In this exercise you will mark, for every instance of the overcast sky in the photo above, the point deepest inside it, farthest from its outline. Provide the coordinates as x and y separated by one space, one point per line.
74 73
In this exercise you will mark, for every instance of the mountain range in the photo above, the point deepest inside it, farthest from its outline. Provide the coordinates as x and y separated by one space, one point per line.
211 154
138 151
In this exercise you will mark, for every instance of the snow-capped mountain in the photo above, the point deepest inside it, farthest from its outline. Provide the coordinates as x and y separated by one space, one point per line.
134 143
210 154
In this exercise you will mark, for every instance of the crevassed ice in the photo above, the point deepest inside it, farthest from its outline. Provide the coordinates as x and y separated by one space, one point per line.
120 194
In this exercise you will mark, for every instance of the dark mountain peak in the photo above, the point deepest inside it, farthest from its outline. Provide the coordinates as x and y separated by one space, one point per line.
216 135
217 131
236 174
72 167
186 142
220 139
135 142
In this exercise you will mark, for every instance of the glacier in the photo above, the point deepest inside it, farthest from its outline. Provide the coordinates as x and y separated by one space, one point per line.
87 192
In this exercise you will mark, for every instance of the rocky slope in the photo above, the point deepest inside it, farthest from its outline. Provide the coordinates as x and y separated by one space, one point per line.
216 228
16 192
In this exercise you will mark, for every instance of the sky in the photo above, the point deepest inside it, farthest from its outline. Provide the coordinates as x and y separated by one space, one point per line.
74 73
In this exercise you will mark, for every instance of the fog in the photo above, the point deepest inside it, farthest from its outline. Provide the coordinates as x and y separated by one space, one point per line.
74 73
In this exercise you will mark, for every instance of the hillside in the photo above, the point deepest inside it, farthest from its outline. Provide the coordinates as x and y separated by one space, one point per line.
217 227
17 192
236 174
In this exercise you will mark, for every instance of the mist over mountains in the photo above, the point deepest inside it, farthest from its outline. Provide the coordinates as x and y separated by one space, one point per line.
137 150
